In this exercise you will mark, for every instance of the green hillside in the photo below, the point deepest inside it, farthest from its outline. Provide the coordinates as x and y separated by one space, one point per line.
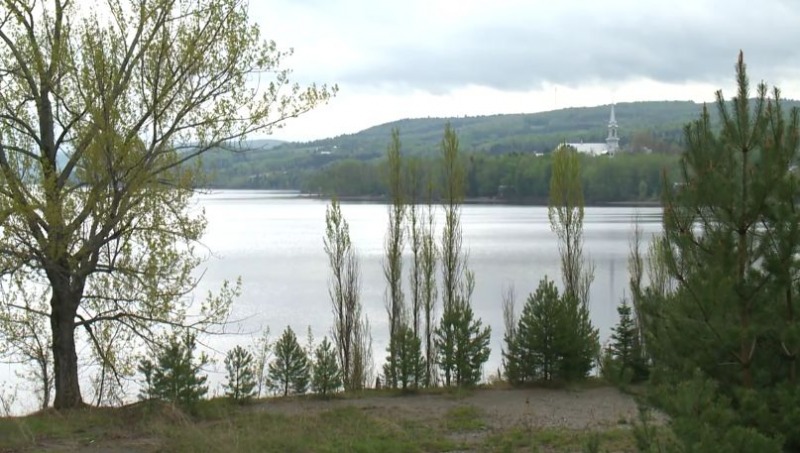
656 126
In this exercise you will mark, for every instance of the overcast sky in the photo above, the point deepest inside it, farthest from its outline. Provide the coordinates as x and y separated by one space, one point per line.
419 58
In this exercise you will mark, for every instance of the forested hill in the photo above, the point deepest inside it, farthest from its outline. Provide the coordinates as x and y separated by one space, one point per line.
524 132
657 126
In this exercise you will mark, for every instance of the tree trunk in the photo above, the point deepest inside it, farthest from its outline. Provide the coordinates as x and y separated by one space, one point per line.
65 357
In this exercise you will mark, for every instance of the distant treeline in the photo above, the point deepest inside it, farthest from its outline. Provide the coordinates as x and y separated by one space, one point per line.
514 177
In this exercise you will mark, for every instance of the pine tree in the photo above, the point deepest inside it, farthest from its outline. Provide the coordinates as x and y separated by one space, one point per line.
625 350
553 340
241 374
578 342
410 365
724 341
327 377
175 375
289 371
536 347
461 340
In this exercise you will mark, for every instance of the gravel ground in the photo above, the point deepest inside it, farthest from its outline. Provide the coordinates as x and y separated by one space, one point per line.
502 408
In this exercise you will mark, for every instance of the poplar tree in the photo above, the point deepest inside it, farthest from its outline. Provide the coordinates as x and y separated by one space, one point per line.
416 234
393 264
351 333
462 342
429 255
565 211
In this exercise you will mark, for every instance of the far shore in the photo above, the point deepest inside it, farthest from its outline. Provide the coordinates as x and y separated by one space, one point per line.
500 201
491 201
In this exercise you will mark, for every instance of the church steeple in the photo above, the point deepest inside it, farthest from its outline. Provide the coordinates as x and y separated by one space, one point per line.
612 141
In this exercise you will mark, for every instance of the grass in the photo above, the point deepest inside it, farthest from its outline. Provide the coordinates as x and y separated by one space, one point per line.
220 426
463 418
344 429
560 439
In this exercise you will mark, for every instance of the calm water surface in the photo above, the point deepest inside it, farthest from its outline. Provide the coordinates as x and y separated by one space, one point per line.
274 242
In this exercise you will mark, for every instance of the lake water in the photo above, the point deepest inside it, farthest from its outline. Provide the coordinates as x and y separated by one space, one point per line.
274 242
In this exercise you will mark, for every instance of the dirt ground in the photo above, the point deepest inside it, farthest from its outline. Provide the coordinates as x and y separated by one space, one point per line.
592 408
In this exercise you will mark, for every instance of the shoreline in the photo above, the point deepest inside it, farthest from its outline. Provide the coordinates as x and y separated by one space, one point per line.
489 201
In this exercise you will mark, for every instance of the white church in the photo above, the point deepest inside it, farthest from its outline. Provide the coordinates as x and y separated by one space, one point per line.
610 146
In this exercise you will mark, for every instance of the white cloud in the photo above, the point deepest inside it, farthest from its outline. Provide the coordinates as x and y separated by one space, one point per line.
417 58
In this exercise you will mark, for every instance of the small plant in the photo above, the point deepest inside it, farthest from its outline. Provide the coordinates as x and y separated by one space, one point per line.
241 383
175 376
289 372
327 377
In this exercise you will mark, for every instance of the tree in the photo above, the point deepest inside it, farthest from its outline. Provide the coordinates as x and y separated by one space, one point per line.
416 234
428 256
289 371
241 383
725 337
351 334
327 376
175 375
549 342
393 266
625 350
565 211
461 342
537 340
453 262
511 356
262 355
580 343
407 368
102 113
23 334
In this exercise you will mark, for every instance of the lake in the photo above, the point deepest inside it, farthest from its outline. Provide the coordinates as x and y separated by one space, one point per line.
273 240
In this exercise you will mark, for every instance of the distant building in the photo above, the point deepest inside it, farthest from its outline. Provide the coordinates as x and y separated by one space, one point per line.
611 145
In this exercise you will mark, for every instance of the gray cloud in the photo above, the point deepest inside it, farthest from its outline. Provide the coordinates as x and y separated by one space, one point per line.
574 46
